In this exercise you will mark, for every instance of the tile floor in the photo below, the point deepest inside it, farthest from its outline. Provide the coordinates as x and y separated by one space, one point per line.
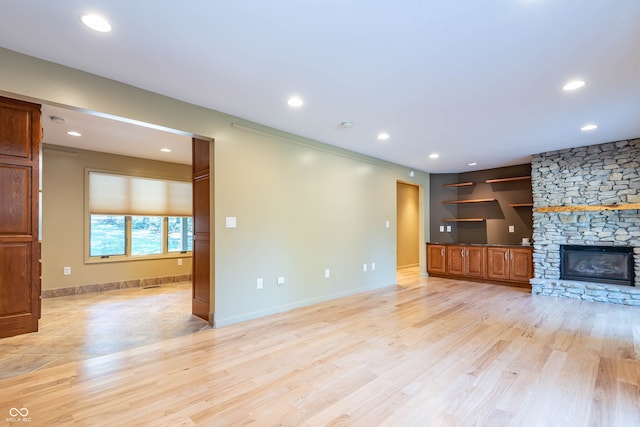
80 327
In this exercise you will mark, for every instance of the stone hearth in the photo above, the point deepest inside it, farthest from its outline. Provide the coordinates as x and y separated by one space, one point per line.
605 174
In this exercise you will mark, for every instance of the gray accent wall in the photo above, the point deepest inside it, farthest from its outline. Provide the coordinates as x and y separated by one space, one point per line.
498 214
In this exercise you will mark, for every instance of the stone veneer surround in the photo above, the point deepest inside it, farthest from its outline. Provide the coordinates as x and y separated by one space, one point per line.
602 174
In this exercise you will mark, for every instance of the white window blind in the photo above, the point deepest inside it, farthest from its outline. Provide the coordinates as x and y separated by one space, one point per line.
111 194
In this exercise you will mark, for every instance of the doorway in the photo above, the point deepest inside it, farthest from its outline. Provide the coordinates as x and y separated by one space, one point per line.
407 225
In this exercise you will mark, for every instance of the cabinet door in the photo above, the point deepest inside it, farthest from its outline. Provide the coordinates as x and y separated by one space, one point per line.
498 263
474 261
455 260
201 260
20 134
521 265
435 259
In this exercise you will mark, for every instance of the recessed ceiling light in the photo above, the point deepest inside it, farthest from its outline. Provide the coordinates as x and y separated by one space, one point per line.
295 101
573 85
383 136
165 150
589 127
434 156
74 133
472 164
96 22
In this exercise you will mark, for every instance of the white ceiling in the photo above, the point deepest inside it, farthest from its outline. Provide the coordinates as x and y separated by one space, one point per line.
474 81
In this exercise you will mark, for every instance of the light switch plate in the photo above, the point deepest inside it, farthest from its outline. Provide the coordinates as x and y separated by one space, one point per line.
442 228
512 229
448 229
231 222
281 280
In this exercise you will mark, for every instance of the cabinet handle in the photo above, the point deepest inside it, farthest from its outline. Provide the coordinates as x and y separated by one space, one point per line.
462 252
511 256
442 251
506 256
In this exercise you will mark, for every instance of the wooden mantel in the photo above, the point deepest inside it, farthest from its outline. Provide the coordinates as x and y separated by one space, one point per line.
583 208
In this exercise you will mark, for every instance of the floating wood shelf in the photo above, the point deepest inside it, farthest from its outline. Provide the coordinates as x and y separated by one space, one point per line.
584 208
515 178
520 205
460 184
463 219
450 202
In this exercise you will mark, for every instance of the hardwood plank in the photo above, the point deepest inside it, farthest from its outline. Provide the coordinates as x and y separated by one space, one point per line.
429 351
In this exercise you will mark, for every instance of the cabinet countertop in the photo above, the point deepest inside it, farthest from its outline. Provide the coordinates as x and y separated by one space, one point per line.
501 245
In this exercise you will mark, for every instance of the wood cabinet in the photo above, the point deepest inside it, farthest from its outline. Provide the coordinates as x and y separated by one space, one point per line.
465 260
511 264
20 287
495 264
436 259
201 305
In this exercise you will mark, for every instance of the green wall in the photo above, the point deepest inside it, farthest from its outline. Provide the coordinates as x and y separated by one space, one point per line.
301 206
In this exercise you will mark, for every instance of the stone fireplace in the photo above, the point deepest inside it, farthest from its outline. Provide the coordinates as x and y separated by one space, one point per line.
587 196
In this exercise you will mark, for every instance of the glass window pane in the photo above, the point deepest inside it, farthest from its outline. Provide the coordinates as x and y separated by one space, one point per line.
107 235
146 235
180 238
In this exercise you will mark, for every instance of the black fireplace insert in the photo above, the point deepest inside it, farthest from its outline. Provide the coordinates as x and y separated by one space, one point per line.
603 264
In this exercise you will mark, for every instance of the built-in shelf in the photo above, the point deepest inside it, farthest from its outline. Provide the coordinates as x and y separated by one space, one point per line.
515 178
460 184
520 205
450 202
463 220
584 208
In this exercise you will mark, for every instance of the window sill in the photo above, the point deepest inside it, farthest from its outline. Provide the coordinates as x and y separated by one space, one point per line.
134 258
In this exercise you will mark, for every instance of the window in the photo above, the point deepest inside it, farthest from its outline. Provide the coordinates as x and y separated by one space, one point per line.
146 235
138 217
107 235
180 234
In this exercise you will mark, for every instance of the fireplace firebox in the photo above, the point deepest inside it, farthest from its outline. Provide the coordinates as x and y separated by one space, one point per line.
602 264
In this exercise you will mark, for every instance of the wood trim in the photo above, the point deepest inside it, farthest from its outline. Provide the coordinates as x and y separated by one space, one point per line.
520 205
515 178
584 208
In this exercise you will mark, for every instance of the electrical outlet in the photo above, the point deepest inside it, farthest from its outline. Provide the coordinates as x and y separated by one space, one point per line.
179 261
442 228
512 229
280 280
259 283
373 266
448 229
67 271
327 273
364 267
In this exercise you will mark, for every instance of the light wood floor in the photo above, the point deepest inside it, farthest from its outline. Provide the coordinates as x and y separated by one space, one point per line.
428 352
83 326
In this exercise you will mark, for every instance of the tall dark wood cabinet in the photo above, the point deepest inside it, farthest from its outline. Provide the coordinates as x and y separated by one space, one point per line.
20 287
201 262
